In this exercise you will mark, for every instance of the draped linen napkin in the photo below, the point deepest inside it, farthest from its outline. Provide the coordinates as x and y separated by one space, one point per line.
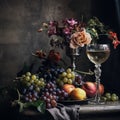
62 112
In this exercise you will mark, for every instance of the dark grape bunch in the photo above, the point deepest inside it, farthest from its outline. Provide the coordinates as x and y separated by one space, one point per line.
29 94
51 94
50 73
78 82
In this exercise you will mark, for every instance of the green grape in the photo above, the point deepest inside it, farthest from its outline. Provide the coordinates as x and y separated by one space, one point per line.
64 74
38 83
107 94
28 74
73 75
27 78
33 77
42 84
108 98
65 79
69 75
114 98
35 81
113 94
104 98
69 70
31 81
41 79
70 81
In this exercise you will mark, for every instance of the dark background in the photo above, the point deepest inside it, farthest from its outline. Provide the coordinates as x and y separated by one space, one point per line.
20 20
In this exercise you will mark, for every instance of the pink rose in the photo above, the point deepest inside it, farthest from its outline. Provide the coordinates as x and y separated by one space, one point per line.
80 39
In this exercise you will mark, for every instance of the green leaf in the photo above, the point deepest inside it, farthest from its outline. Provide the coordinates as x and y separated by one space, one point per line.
42 107
39 105
35 103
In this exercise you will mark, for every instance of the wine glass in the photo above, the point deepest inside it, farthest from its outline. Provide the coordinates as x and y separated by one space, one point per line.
97 54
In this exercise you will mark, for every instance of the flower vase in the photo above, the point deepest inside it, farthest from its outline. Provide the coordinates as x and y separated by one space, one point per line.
72 54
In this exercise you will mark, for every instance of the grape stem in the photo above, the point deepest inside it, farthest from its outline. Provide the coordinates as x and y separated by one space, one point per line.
18 102
86 73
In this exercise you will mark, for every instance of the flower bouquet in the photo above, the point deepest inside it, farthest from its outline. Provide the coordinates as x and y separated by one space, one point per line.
73 33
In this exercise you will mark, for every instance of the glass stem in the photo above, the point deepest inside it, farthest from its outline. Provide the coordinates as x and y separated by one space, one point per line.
73 63
97 76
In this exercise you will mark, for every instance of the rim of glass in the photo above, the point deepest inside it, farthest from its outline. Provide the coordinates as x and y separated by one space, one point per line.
99 44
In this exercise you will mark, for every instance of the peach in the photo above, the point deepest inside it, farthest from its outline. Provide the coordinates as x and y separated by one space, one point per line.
68 88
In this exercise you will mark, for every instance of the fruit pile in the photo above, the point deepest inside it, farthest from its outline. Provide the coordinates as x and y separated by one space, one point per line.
53 83
46 86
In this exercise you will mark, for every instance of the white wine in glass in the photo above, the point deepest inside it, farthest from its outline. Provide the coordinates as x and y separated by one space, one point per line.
97 54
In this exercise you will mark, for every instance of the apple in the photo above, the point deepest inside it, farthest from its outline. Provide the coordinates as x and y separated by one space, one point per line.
68 88
90 88
78 94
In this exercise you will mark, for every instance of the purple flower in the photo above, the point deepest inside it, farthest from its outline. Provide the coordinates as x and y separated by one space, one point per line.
66 31
52 31
72 22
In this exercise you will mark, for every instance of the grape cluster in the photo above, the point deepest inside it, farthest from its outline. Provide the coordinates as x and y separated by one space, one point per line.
29 79
31 86
66 77
47 85
50 73
110 97
30 94
78 82
51 94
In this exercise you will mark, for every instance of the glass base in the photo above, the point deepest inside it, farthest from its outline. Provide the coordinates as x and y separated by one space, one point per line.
95 102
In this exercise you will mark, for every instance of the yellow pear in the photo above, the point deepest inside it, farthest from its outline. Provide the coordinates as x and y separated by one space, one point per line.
78 94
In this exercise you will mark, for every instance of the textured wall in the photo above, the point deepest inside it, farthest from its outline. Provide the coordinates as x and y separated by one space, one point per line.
20 20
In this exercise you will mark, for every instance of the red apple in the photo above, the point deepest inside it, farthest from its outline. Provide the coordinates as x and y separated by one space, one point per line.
68 88
90 88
